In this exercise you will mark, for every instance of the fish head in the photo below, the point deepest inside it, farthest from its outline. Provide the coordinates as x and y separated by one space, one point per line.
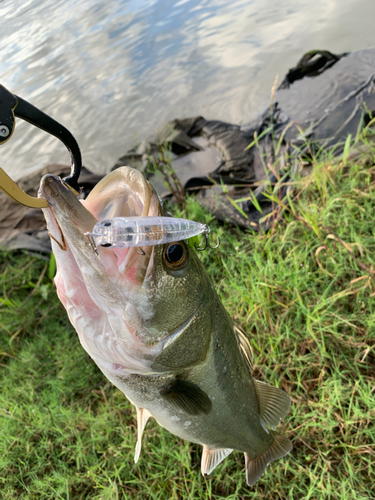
131 309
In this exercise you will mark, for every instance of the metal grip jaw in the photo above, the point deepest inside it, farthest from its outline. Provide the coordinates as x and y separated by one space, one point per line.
12 106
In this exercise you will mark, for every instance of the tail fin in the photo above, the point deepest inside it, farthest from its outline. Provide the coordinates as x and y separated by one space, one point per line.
255 467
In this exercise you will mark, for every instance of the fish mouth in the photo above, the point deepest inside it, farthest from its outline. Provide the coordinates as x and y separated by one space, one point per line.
122 193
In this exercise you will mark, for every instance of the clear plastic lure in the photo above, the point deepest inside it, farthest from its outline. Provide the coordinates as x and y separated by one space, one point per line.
123 232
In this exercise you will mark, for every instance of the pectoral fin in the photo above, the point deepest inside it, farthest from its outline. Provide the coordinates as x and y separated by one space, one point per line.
255 467
274 403
142 417
186 396
212 458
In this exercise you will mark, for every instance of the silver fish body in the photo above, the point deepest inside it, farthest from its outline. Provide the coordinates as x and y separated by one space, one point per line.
156 328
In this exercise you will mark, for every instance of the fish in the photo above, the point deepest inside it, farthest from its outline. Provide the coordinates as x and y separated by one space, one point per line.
154 325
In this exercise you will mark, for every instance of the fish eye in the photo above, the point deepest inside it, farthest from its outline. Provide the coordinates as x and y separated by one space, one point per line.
175 255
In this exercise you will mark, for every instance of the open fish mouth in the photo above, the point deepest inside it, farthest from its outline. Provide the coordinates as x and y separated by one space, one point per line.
122 193
103 289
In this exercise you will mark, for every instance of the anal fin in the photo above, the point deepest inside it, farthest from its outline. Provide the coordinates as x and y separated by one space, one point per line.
274 403
212 458
255 467
142 417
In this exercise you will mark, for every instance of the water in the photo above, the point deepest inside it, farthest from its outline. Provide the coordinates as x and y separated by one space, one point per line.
112 72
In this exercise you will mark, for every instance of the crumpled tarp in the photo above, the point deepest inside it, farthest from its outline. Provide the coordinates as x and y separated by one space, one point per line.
319 102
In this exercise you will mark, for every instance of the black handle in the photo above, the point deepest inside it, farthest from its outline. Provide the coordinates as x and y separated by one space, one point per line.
7 104
11 105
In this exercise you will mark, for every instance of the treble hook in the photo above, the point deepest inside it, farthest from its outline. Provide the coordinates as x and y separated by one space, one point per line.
207 245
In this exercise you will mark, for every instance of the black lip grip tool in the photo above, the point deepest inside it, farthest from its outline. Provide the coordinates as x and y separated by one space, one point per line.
12 106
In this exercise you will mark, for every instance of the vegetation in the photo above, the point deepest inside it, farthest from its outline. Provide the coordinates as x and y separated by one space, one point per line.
304 292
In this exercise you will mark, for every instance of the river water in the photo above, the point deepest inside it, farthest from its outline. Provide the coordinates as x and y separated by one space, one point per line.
113 71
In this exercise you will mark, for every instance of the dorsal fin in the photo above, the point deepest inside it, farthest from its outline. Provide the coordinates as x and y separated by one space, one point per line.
274 403
245 346
186 396
142 417
212 458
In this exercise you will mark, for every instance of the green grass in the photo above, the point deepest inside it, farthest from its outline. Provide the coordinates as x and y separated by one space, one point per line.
304 293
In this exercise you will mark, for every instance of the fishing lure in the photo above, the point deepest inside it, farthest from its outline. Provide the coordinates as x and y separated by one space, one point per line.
123 232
